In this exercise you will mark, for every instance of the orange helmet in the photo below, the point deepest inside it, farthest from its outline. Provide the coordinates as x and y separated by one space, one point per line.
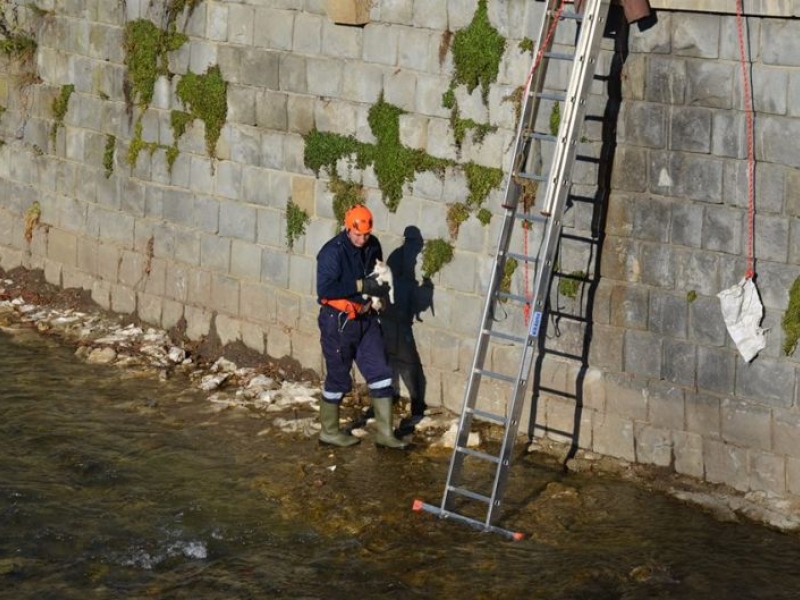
359 219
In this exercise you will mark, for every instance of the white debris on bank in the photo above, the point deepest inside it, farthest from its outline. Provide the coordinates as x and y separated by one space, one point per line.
228 387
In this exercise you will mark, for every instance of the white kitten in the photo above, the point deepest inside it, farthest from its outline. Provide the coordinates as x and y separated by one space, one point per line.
383 274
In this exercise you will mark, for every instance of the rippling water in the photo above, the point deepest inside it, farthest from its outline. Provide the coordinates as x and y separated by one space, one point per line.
116 485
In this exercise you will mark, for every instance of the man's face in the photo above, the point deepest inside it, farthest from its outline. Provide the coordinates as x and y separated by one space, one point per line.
358 239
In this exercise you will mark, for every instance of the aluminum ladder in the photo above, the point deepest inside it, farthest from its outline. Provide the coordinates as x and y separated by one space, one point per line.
560 78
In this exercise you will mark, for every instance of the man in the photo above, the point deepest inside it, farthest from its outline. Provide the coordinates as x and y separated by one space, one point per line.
350 329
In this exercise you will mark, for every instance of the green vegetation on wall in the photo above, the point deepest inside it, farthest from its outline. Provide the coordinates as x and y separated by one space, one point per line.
395 164
346 194
508 272
108 154
60 106
436 254
569 286
206 97
791 319
477 52
296 221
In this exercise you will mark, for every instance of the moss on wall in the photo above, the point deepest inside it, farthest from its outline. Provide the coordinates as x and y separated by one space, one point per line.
206 97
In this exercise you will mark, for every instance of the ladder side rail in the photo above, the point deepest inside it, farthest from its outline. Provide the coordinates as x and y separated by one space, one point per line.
511 200
479 356
595 15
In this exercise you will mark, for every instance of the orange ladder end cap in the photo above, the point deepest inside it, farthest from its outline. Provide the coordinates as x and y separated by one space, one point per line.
417 506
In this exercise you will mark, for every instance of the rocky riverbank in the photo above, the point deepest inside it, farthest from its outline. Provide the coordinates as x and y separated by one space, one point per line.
235 378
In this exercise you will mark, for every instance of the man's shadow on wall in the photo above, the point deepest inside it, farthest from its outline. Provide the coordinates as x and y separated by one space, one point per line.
411 299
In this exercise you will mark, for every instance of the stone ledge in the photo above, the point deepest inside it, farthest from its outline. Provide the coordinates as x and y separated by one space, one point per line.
752 8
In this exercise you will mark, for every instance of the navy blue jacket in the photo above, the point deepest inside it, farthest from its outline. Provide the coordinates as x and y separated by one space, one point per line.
340 264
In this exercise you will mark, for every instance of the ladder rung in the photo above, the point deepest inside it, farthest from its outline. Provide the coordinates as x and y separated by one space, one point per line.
489 416
523 257
507 336
447 514
496 375
545 137
514 297
533 176
469 494
536 218
557 96
476 454
560 55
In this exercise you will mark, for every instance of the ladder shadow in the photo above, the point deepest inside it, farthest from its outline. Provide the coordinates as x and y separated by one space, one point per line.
619 30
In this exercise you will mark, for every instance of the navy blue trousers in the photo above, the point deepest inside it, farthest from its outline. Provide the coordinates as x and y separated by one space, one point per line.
346 341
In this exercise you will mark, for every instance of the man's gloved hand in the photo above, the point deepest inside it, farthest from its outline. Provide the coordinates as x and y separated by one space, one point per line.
371 287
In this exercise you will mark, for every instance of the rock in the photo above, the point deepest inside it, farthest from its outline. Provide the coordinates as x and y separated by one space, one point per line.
176 355
102 356
212 382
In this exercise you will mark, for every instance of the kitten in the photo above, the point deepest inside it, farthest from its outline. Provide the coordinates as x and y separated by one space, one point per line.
383 274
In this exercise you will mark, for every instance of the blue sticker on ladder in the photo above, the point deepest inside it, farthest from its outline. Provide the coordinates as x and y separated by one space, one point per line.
535 323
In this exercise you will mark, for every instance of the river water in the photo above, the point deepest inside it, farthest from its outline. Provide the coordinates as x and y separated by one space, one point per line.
117 485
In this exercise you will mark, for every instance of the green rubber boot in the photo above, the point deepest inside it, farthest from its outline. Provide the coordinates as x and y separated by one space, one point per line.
383 419
331 434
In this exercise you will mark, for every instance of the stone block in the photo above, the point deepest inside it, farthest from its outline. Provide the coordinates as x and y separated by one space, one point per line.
241 104
678 365
62 246
668 314
688 450
245 260
300 117
292 72
198 322
695 35
303 190
178 207
335 116
274 29
767 381
148 308
631 166
271 110
215 252
307 351
217 23
363 84
767 472
431 14
703 415
710 84
341 41
783 48
228 329
324 76
775 141
131 270
275 267
745 424
240 24
413 46
665 79
630 307
101 294
307 37
171 314
793 475
228 179
253 337
690 129
644 124
224 294
380 43
716 369
726 464
279 342
302 271
685 225
613 436
187 246
723 229
237 220
654 446
399 88
123 300
785 425
771 238
257 302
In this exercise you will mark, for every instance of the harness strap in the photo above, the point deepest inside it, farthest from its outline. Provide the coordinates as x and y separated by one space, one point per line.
350 308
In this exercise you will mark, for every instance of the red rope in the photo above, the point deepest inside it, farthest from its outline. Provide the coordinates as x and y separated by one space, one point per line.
751 212
538 59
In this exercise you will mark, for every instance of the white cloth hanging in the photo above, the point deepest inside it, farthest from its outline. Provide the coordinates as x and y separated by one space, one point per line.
742 311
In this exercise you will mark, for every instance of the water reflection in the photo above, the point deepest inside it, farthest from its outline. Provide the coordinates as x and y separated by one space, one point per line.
121 486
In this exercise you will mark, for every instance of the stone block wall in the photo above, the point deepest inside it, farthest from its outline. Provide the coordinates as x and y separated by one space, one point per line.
202 243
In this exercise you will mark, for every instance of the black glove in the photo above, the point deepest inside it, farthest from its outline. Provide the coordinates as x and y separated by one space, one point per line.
371 287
